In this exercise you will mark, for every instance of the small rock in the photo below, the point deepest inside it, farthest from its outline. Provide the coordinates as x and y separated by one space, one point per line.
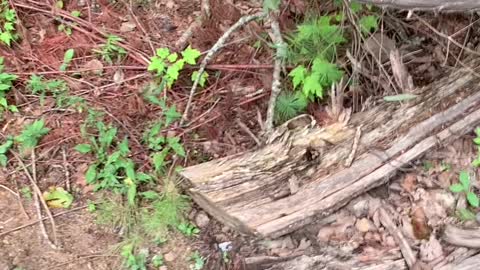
94 66
363 225
127 27
202 220
225 246
170 257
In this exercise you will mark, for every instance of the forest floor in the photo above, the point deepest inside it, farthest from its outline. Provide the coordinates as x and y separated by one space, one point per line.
226 119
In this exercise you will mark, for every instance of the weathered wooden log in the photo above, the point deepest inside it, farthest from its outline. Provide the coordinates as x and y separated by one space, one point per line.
437 5
299 177
462 237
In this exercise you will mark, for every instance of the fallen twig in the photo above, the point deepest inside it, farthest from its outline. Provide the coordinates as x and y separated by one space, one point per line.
218 45
279 55
407 252
38 192
38 220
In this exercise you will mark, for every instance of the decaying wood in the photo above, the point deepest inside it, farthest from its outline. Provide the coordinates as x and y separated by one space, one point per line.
462 237
250 191
438 5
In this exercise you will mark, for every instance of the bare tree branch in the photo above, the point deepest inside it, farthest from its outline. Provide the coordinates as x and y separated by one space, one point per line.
438 5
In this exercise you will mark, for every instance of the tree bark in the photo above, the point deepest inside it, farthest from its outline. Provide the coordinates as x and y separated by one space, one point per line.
299 177
437 5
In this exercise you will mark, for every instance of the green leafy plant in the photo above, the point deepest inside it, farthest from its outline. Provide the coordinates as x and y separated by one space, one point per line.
6 83
67 58
134 261
66 26
30 135
8 19
188 229
289 105
198 261
157 260
111 51
464 187
57 197
4 150
167 66
56 88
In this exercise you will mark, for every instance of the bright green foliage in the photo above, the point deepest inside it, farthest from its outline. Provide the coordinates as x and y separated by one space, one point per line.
4 150
67 58
76 13
320 76
111 51
165 213
58 197
315 39
8 19
202 80
464 187
198 261
58 89
476 162
157 260
289 105
188 229
134 261
26 193
368 23
31 134
167 66
6 83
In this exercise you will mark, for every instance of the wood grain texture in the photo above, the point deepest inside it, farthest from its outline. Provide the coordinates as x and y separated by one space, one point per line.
438 5
251 191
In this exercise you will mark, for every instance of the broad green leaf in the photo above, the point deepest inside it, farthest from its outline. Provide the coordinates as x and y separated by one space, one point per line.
174 143
190 55
311 86
172 57
327 72
368 23
473 199
464 179
123 147
58 198
159 159
400 97
132 191
202 79
83 148
6 146
6 37
10 15
3 160
298 75
91 174
76 13
157 65
67 58
4 87
163 53
456 188
476 141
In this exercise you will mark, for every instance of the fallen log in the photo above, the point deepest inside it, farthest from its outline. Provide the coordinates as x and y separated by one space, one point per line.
298 177
437 5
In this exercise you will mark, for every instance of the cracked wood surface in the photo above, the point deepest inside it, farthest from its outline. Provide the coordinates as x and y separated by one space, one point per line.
251 191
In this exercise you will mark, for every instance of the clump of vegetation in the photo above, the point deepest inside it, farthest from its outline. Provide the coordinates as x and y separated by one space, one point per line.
111 51
6 84
313 50
8 19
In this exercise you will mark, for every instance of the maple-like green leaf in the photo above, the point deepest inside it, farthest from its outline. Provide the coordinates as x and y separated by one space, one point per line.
163 53
312 86
174 143
10 15
171 115
298 75
172 57
6 37
157 65
368 23
190 55
202 79
327 72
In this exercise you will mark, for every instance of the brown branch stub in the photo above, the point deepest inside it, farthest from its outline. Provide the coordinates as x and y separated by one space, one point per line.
432 5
